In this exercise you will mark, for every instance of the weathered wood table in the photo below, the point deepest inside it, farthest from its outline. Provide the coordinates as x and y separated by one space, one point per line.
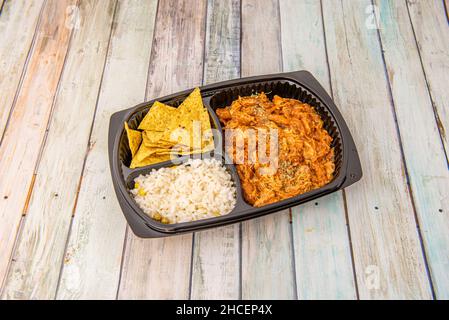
67 65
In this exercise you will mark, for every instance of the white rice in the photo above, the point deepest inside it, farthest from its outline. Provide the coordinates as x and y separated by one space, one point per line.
195 190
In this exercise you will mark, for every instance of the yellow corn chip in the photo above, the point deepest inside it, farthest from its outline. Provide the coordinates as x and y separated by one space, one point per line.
134 139
155 138
146 156
172 131
192 103
158 118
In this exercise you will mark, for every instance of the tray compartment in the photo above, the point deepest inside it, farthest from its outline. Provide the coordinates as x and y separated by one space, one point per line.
137 116
129 182
285 89
299 85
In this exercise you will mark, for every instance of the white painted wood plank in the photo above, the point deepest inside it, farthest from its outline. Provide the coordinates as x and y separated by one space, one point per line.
18 23
388 258
267 254
25 133
92 261
431 28
160 268
39 253
321 243
216 252
423 150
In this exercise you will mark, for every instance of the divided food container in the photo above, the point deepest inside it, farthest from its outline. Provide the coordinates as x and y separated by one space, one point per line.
299 85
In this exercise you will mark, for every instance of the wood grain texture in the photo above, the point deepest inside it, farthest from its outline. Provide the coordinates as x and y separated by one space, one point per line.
431 29
267 254
265 57
92 261
388 258
25 133
36 264
216 253
160 268
423 151
18 23
321 243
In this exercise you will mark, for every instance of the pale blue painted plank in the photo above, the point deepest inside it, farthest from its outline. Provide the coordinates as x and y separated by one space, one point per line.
388 259
423 149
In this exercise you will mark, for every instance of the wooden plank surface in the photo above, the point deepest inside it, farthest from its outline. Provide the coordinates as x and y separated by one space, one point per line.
92 261
388 258
160 268
427 169
431 29
267 253
36 264
18 23
321 244
23 137
393 94
216 252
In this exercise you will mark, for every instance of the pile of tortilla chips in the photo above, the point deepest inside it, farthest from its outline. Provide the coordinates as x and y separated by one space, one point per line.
169 132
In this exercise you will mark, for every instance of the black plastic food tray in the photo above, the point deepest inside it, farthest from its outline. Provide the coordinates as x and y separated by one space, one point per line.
299 85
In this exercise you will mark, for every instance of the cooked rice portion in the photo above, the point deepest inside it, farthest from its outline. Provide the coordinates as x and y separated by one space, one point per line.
197 189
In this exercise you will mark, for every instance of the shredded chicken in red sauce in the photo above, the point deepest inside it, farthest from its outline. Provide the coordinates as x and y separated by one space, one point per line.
305 159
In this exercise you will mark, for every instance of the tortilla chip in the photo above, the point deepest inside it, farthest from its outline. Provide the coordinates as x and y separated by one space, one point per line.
192 103
161 143
155 138
172 131
194 118
145 152
158 118
134 139
146 156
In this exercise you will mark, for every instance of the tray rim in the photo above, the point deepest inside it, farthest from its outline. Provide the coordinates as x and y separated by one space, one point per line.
350 159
